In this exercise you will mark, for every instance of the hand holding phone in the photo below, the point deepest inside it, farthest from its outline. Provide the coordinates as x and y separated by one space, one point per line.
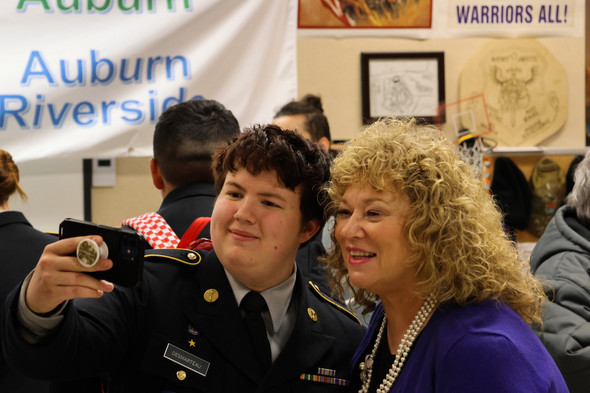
125 248
59 277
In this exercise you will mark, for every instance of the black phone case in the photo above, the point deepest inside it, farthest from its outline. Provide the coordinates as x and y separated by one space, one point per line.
126 250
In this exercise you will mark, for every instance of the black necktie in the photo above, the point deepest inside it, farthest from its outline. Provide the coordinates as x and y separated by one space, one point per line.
253 304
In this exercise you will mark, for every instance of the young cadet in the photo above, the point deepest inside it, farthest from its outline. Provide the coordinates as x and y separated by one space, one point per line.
189 326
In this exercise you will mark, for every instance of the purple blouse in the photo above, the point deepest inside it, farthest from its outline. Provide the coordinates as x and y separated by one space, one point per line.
480 348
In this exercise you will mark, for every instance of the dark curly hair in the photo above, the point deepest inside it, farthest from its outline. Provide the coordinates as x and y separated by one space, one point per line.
296 160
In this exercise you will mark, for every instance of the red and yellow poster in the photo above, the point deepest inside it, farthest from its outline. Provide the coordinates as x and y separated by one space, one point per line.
365 14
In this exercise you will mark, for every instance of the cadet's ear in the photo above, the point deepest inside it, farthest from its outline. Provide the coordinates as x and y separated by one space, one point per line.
156 174
310 228
324 143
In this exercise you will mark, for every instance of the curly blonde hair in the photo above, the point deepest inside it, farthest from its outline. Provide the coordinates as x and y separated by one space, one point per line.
459 248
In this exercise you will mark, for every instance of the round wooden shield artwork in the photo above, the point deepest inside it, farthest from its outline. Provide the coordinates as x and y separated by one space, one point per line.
525 90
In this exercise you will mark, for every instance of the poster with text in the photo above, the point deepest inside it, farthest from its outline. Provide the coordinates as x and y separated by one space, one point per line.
89 78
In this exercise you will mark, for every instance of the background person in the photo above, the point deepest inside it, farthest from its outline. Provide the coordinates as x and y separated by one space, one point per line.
21 246
182 329
561 258
417 233
185 138
306 117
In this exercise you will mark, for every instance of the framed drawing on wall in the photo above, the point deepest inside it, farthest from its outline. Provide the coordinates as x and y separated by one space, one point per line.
403 84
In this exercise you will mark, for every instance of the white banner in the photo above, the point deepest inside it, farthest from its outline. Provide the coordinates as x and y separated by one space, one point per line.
89 78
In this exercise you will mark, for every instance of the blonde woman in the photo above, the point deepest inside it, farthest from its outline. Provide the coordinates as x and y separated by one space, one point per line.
421 244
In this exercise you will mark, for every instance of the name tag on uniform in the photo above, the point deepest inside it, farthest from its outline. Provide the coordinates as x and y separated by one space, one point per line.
186 359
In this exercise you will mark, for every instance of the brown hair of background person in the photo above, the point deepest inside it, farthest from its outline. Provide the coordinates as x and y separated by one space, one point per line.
9 178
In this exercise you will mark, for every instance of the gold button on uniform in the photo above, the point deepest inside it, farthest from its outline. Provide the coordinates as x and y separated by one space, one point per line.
181 375
211 295
192 256
312 314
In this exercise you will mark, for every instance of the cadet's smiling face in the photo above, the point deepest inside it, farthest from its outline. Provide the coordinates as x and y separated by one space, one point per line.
256 228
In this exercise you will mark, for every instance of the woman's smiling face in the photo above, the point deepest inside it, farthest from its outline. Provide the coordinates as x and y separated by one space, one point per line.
369 229
256 228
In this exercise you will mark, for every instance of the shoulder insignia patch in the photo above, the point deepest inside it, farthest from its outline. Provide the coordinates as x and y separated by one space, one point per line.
179 255
327 299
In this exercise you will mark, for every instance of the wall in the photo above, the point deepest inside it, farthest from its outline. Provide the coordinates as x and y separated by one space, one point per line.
331 67
132 195
55 191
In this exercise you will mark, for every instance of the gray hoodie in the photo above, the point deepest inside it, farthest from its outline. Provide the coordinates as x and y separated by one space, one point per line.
561 259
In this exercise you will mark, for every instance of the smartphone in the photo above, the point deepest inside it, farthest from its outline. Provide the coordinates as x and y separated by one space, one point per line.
125 246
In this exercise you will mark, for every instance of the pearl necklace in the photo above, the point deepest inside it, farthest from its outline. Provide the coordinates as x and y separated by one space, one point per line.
366 367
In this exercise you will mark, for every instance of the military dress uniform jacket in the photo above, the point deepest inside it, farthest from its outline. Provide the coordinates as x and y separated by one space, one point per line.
21 245
182 331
